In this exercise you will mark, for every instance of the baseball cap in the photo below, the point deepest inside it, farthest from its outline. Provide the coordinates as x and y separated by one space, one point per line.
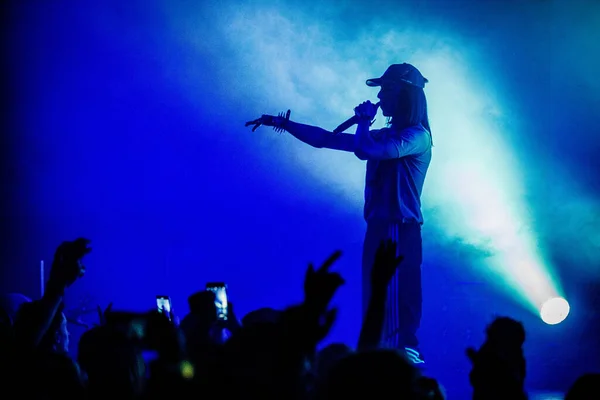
400 73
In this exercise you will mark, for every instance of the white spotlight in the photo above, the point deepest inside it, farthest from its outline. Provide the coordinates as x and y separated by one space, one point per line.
555 310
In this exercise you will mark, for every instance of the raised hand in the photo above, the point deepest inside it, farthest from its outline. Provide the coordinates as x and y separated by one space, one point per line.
384 266
320 285
67 265
277 122
386 263
102 314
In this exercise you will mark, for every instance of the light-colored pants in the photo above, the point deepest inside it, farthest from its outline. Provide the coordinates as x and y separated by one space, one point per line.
404 301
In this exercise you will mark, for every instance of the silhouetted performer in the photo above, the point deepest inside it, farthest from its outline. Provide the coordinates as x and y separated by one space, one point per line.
398 157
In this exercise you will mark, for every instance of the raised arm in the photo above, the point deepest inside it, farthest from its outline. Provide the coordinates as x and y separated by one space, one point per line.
320 138
311 135
384 267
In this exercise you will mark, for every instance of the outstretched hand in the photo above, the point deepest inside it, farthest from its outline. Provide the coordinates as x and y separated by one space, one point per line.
386 263
278 122
321 284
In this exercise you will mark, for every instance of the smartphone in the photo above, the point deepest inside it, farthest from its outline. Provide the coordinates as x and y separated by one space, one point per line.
220 291
163 305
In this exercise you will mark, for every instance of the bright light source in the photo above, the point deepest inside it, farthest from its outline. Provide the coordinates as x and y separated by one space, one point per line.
554 311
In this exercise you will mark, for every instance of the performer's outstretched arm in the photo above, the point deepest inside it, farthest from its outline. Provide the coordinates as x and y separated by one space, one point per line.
319 137
311 135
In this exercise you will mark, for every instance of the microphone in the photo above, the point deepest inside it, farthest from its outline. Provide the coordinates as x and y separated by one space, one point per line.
350 121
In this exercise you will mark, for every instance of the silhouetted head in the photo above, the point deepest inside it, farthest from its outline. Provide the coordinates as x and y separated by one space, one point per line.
506 330
329 356
585 387
112 361
11 303
374 374
203 303
56 338
264 315
401 95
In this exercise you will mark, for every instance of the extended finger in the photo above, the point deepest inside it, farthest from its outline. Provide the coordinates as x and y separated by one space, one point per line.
331 260
310 270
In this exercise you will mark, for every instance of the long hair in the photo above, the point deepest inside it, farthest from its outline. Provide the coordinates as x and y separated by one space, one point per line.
411 109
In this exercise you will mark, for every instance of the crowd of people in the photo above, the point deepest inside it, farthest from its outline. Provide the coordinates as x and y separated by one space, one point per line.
267 354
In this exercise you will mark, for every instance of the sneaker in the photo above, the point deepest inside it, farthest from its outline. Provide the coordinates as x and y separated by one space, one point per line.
414 356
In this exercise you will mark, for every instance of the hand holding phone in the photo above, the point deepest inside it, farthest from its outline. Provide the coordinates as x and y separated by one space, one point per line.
220 291
163 305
